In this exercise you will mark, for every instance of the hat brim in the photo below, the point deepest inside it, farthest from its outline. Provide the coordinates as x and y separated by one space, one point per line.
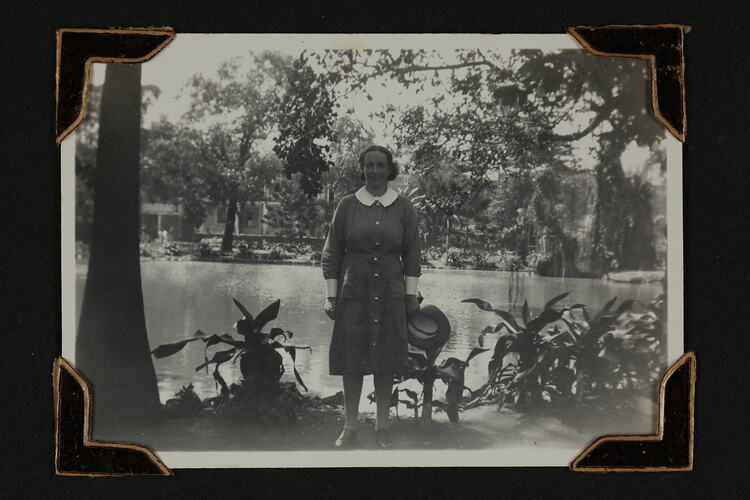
427 340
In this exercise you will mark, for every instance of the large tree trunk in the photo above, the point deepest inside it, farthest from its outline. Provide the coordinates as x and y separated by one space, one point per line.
112 349
226 241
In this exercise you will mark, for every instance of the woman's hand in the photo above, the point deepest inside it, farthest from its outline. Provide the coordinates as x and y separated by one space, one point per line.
331 307
412 305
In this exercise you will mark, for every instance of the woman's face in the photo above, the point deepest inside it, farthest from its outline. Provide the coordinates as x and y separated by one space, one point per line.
376 170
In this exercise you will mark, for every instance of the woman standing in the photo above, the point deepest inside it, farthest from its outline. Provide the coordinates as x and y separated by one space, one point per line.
371 264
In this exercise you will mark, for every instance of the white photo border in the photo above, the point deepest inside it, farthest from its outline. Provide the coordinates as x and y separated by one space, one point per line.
532 455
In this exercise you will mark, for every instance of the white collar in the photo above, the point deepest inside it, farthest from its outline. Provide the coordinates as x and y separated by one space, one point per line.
364 196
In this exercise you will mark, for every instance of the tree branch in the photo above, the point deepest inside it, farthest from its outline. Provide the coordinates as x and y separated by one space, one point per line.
604 113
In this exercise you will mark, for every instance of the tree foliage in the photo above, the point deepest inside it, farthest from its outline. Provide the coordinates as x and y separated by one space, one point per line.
230 116
350 138
512 115
295 214
305 125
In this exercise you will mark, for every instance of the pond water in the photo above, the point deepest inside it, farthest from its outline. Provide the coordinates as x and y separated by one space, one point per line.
182 297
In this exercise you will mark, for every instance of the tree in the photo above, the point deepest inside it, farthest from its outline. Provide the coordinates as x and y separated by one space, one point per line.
232 114
87 134
305 126
297 215
511 113
445 190
350 138
112 349
173 168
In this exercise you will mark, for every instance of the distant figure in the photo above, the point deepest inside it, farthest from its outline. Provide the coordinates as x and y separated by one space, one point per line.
371 264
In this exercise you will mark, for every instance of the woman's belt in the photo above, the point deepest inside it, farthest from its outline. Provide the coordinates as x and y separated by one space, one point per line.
375 258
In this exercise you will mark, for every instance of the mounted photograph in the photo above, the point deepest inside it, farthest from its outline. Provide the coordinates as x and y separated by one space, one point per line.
297 250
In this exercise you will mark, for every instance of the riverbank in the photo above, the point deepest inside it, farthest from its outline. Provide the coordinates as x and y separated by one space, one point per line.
208 250
636 276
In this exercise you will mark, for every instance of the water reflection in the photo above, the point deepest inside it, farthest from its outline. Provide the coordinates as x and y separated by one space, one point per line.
181 297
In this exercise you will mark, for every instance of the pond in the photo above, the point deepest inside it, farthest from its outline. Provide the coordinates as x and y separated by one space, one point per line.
182 297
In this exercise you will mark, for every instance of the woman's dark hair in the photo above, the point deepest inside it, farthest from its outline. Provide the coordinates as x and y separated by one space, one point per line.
388 156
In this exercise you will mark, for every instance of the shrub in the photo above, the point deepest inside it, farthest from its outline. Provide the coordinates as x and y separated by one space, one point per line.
297 248
422 368
170 248
209 247
204 249
567 357
276 253
185 403
245 252
315 255
258 352
145 250
454 257
433 253
508 260
479 259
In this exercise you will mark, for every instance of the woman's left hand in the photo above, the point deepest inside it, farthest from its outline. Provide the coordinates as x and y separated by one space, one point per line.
412 305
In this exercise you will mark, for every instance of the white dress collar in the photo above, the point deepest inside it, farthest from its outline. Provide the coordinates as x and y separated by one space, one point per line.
364 196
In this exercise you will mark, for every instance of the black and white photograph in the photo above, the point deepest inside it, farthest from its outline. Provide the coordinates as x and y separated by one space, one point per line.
292 250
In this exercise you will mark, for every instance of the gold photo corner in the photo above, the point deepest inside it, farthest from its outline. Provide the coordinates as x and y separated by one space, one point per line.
61 367
76 96
679 132
687 361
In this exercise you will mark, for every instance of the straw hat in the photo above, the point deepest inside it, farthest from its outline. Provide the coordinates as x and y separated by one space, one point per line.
429 328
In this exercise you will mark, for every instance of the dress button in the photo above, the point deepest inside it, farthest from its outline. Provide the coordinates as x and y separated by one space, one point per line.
377 243
376 275
372 344
376 298
375 320
377 222
375 259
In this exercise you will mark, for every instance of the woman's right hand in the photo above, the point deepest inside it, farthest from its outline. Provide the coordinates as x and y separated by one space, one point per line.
331 307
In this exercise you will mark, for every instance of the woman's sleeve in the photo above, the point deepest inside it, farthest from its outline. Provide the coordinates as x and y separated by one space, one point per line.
411 250
333 250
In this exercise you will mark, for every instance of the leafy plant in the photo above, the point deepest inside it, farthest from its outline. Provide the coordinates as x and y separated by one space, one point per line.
209 247
144 250
566 356
454 257
451 371
171 249
480 260
423 368
314 255
508 260
276 253
258 352
244 251
186 402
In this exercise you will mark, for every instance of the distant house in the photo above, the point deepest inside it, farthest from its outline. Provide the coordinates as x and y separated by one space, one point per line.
158 217
249 220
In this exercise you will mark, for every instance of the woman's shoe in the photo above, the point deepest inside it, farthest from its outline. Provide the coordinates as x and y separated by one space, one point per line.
346 439
382 438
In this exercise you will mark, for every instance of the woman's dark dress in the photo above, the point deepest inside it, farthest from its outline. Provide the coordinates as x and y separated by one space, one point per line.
370 249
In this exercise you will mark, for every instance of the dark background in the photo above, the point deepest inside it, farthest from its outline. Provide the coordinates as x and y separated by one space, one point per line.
716 276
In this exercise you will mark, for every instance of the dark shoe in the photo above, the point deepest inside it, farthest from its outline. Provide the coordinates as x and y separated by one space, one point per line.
382 438
347 438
